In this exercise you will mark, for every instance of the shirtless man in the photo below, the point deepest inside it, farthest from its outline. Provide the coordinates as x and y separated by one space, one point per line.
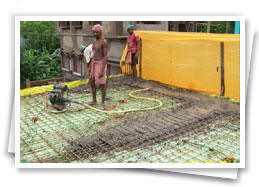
98 64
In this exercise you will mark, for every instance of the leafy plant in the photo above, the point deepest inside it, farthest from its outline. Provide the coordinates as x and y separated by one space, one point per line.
39 65
40 51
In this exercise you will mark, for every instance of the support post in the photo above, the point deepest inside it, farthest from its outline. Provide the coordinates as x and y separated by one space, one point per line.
28 83
140 60
237 27
222 92
208 27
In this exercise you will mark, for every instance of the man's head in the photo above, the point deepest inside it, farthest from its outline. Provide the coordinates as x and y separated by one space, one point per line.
82 48
130 29
97 30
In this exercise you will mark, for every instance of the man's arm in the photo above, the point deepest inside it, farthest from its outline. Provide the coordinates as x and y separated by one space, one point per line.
105 51
126 52
138 46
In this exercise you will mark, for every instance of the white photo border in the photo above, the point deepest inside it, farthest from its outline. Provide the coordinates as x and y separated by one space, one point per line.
130 165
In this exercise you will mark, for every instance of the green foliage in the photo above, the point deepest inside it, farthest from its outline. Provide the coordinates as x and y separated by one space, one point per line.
39 55
217 26
39 65
38 34
222 27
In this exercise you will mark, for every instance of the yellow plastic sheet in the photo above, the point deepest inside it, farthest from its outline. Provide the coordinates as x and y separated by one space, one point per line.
232 70
191 60
43 89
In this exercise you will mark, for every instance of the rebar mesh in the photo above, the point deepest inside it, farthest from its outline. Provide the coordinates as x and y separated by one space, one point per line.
176 133
45 138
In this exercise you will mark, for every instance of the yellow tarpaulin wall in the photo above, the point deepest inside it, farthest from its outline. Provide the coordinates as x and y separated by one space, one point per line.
191 60
232 70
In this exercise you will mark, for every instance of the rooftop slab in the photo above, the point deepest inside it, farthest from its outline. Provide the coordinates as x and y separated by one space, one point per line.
192 127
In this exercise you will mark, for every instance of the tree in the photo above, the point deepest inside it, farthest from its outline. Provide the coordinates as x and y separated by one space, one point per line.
38 34
39 55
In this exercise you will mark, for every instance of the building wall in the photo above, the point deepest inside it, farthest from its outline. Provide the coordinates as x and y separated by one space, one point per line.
115 32
163 26
141 26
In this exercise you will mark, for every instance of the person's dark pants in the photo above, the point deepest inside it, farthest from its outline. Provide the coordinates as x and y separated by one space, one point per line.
134 62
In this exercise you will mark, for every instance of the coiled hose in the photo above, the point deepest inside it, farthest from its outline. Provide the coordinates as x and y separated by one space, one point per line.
124 111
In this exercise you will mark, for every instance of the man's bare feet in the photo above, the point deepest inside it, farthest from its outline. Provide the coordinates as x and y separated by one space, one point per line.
92 103
134 84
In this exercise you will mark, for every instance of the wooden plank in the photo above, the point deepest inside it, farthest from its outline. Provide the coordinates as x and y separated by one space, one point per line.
29 83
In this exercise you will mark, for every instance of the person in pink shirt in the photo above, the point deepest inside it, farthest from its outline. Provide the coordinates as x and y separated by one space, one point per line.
133 43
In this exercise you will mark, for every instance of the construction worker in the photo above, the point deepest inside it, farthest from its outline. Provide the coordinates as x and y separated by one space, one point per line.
98 64
133 43
88 53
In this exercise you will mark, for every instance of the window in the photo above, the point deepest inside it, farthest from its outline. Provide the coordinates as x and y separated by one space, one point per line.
78 24
64 24
149 22
78 66
65 62
95 22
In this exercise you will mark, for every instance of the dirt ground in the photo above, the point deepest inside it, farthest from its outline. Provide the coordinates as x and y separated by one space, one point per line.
193 116
201 101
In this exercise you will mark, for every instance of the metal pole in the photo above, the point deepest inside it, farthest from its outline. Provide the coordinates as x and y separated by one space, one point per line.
237 27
